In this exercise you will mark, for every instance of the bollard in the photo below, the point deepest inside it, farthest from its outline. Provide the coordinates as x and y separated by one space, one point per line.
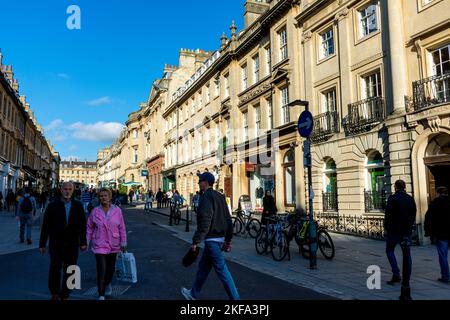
187 218
170 215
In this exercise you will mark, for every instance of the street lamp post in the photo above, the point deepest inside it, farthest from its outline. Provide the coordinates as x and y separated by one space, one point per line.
305 126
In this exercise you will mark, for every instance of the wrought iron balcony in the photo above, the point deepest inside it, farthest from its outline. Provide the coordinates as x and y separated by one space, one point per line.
364 115
325 125
375 201
431 91
330 203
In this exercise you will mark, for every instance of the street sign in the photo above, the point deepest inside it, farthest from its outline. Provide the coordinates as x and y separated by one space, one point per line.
144 173
305 124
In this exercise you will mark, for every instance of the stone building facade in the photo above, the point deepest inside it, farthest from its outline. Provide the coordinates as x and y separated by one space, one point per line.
27 159
82 172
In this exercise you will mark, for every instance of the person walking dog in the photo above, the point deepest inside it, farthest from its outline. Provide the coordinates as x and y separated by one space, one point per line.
215 228
107 236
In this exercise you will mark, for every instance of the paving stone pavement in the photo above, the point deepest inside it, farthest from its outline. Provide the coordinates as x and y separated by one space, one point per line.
345 277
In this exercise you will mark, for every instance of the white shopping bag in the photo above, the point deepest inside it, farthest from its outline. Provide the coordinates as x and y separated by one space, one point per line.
126 267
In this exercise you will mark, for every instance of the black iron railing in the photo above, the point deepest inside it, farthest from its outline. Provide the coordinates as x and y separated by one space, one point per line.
371 227
375 201
364 115
325 125
431 91
330 202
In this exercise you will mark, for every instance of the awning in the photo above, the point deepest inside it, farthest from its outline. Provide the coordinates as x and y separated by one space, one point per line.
131 184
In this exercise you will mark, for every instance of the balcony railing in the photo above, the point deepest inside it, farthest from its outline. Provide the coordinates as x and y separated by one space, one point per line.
375 201
364 115
431 91
330 203
325 125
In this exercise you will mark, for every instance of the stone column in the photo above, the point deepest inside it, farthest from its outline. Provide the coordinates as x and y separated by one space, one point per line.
394 31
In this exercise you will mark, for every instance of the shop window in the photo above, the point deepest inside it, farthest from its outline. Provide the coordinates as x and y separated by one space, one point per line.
330 186
375 192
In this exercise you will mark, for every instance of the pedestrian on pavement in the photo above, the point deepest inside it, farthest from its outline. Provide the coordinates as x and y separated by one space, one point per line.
65 227
195 201
214 226
27 208
269 207
10 199
86 198
149 201
107 236
159 198
400 216
437 227
131 195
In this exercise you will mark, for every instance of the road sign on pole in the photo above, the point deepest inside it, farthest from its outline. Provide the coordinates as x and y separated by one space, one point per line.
305 124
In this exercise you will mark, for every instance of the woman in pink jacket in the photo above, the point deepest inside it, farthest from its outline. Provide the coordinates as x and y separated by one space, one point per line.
107 235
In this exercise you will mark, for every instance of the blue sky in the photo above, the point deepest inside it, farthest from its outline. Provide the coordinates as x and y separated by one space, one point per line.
82 84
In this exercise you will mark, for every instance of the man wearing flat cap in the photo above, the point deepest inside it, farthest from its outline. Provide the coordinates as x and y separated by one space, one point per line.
215 228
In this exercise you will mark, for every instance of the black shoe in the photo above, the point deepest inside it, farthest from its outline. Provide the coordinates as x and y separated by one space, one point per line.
394 280
405 294
29 242
22 241
447 281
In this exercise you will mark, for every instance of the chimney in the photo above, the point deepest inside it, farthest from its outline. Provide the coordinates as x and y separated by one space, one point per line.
15 85
253 10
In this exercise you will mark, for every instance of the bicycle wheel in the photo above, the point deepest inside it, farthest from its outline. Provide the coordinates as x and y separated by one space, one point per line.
237 225
280 247
326 245
261 241
253 228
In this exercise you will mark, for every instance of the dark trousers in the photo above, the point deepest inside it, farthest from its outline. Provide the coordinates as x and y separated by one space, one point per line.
405 244
106 266
61 259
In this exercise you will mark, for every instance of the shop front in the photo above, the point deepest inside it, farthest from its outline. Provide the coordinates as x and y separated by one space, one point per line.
261 179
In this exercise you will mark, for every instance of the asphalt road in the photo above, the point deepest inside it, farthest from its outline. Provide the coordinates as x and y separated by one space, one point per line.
23 276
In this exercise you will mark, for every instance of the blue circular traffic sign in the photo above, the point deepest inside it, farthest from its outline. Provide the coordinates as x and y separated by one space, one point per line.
305 124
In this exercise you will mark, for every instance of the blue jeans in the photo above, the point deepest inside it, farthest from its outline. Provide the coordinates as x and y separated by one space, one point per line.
391 242
442 248
212 257
26 220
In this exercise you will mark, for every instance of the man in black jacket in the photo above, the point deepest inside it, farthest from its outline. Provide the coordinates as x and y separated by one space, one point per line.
214 226
65 227
437 226
400 217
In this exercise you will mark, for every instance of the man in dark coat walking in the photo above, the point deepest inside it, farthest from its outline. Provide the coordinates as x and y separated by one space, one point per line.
400 217
65 227
437 226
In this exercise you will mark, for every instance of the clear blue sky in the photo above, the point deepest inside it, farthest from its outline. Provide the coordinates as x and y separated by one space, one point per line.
82 84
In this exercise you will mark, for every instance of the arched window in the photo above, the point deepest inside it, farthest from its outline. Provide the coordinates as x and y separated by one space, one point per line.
375 192
330 186
289 178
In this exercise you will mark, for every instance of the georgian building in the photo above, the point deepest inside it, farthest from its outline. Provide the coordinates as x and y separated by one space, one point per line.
26 156
376 74
232 117
82 172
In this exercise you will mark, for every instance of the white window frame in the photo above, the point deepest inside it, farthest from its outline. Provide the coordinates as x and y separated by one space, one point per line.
325 38
257 119
364 20
245 117
372 85
284 95
329 102
256 68
268 60
227 85
441 62
283 42
244 77
270 125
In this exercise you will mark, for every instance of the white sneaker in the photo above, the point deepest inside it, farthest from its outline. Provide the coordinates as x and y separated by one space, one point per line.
101 298
108 291
187 294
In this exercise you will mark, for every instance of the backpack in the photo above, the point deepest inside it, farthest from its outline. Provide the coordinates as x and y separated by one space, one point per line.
26 205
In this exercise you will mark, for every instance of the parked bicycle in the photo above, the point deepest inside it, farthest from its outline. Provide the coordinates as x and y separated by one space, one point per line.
299 230
243 223
273 238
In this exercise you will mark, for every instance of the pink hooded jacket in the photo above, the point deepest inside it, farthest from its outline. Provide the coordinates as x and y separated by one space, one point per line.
107 235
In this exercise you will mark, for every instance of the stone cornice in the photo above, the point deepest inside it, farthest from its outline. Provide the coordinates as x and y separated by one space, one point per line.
255 92
427 114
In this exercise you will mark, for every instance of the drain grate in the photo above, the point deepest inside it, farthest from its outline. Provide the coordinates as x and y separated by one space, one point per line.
116 291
